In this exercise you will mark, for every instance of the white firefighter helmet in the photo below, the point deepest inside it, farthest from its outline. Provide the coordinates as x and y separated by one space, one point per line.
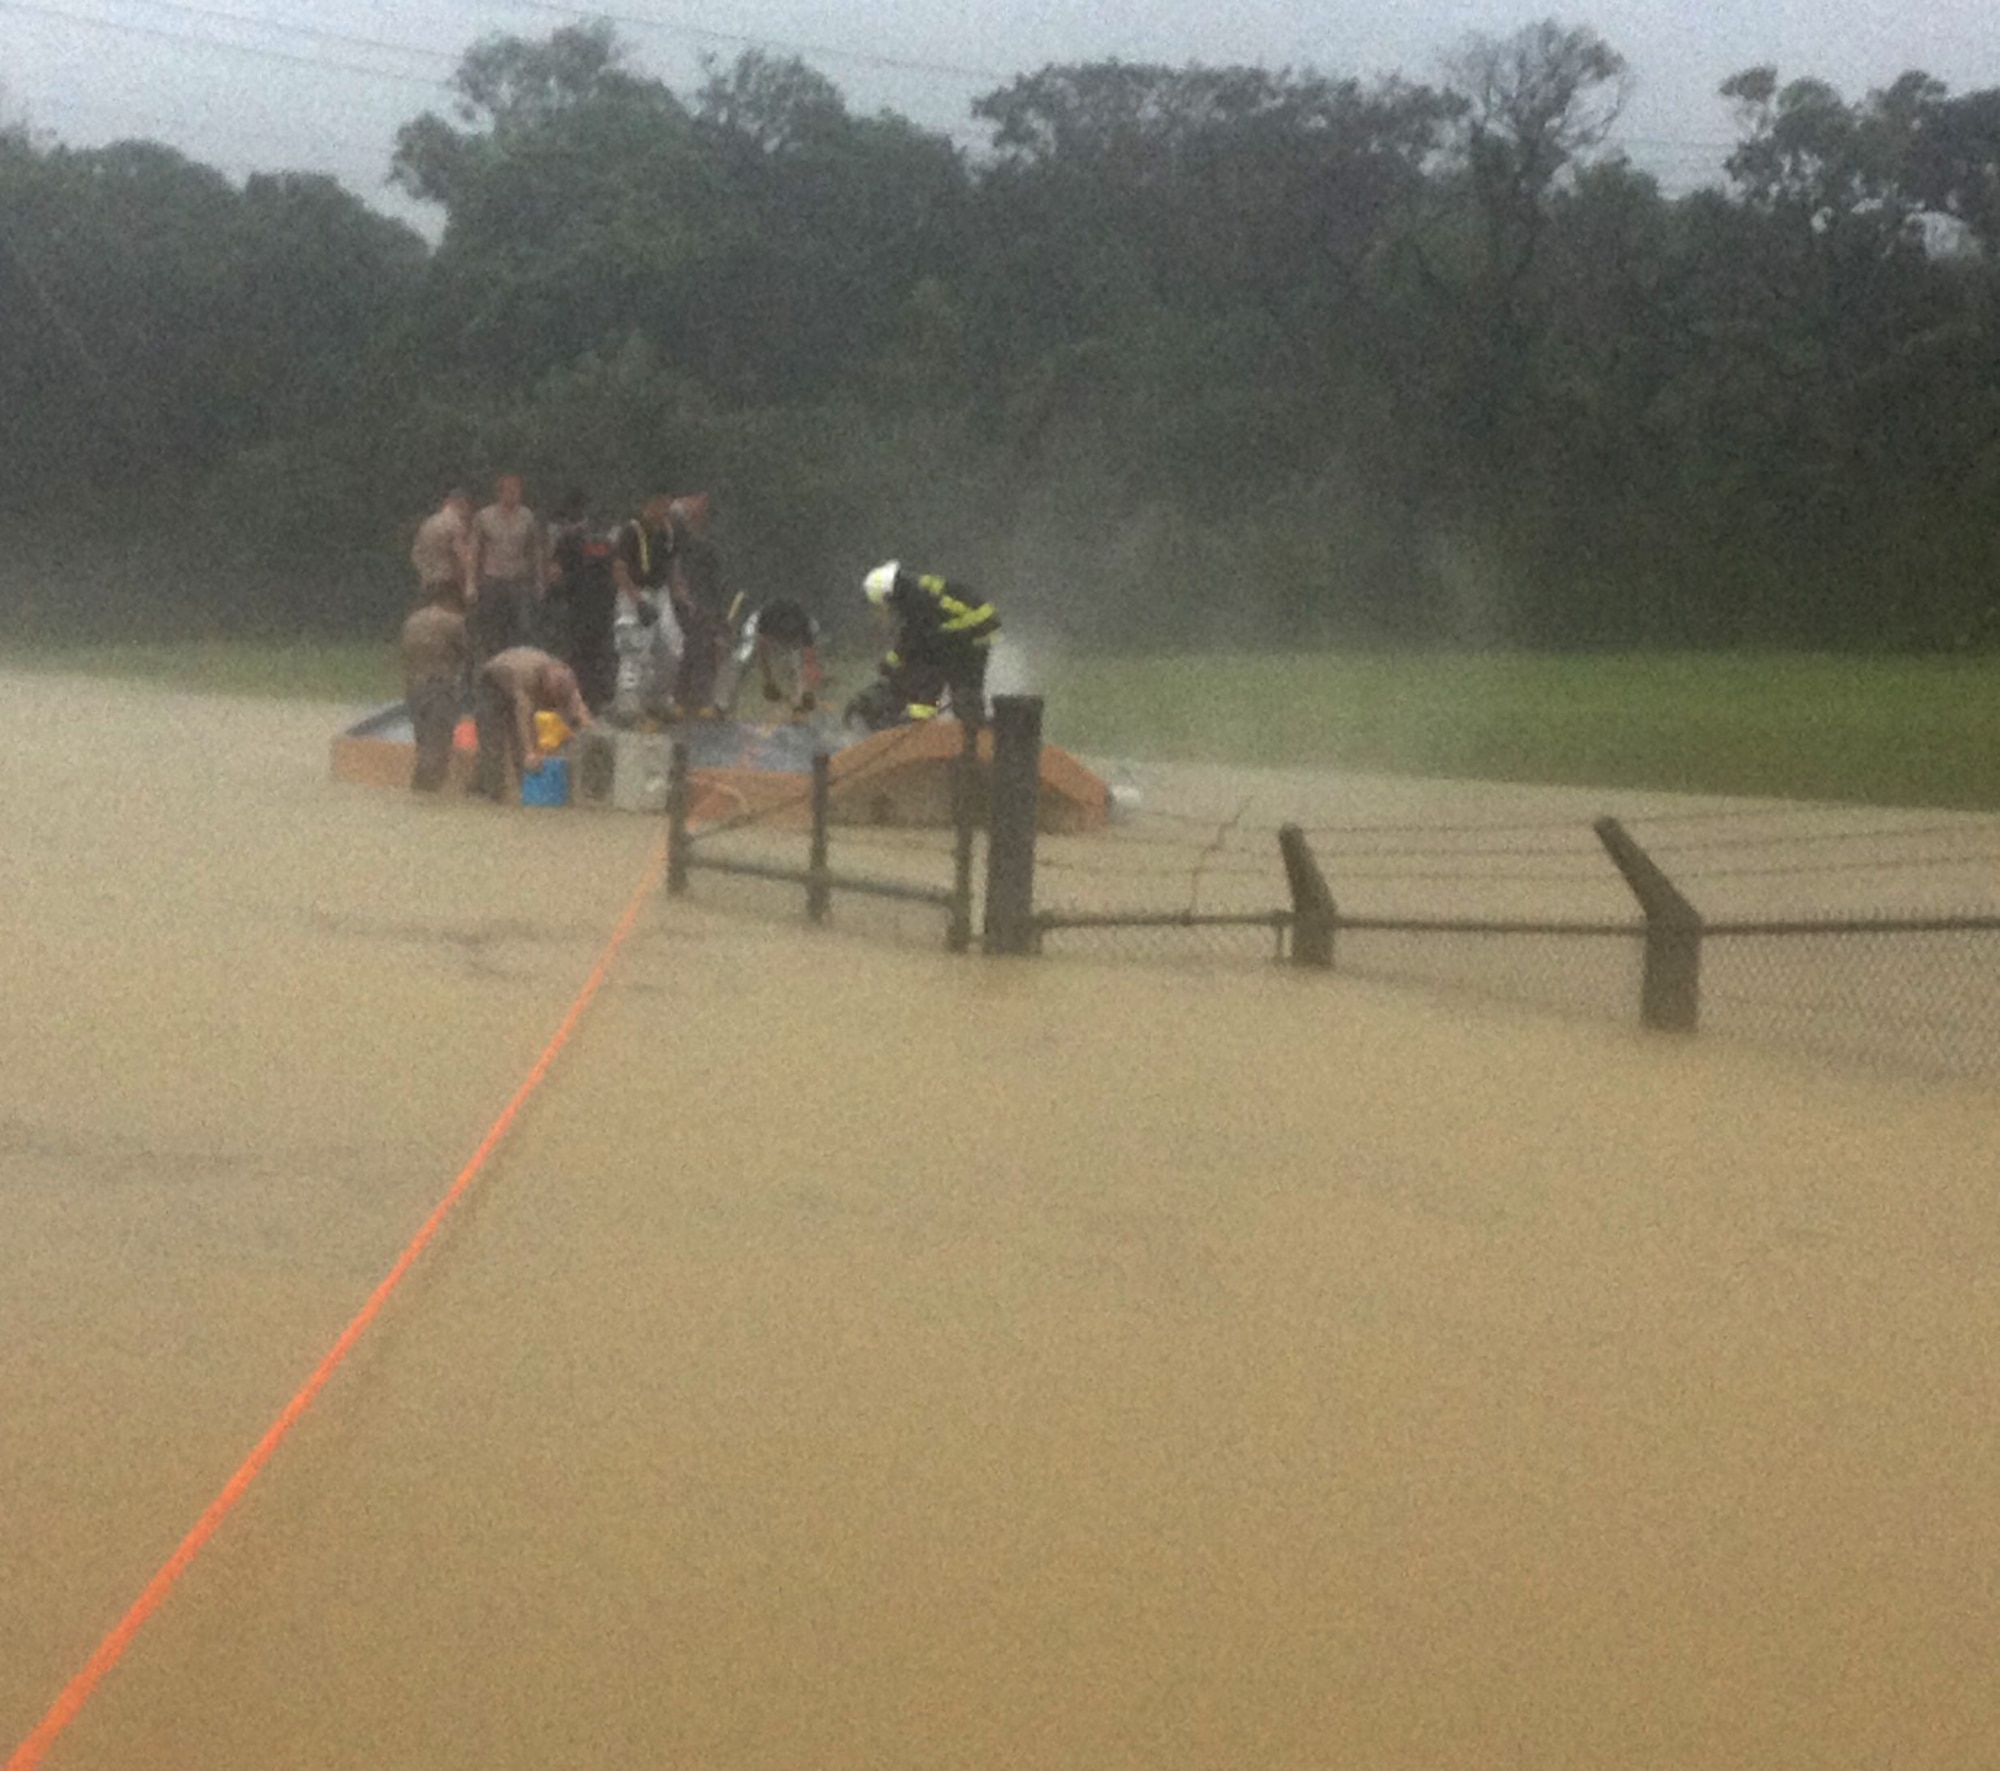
878 584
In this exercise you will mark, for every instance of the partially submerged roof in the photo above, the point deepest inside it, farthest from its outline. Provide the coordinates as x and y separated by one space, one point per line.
900 778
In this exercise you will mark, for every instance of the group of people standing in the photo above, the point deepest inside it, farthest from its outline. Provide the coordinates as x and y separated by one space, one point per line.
636 626
562 586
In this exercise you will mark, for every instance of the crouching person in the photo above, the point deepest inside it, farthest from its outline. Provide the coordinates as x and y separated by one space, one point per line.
781 643
436 650
510 690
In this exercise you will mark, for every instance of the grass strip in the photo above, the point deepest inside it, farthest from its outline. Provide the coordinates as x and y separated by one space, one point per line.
1891 731
1878 731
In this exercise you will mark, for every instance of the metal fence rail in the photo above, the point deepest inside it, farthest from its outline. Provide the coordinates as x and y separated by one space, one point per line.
1171 934
690 851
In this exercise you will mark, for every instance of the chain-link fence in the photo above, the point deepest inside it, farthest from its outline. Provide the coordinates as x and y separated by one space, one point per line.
1919 993
1764 922
1537 911
1581 969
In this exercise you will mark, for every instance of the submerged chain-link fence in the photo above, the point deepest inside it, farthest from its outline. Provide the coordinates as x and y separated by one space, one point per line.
1758 922
1761 923
1907 992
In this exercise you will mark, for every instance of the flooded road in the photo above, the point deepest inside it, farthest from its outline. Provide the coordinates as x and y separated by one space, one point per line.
863 1358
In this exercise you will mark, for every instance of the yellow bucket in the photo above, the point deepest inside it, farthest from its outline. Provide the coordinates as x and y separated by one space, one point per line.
551 731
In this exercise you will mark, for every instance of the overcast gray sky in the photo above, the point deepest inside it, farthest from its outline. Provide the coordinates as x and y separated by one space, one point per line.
248 85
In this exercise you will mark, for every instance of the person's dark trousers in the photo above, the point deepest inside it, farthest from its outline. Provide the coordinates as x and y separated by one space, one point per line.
552 626
501 617
596 663
493 718
702 637
578 630
593 619
434 715
965 676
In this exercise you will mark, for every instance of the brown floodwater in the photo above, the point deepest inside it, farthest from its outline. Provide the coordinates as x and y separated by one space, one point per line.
862 1358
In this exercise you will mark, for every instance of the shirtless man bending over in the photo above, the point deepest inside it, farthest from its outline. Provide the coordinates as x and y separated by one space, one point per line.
512 687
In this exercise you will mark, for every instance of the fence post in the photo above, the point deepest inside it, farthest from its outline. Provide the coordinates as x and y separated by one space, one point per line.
677 819
819 890
1670 990
1013 799
1314 916
965 821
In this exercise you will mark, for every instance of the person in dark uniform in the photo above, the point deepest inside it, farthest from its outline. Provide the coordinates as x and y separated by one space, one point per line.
642 550
582 601
701 605
942 641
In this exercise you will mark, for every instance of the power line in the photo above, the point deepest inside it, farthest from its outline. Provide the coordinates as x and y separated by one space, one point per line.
861 57
319 64
650 22
120 116
311 32
1675 144
326 64
642 21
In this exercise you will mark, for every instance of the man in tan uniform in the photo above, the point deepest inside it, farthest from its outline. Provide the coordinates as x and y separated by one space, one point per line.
435 655
509 571
511 688
442 552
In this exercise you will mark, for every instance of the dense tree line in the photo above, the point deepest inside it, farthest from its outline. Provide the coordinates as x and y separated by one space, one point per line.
1181 355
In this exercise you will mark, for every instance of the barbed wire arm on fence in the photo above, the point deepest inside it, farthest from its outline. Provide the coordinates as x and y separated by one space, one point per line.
1214 848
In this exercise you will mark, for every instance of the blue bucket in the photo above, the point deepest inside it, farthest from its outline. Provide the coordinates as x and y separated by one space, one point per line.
548 785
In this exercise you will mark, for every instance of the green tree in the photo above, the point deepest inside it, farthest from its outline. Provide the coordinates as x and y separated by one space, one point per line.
1536 104
763 240
575 200
828 226
1478 298
1872 354
1953 167
1189 248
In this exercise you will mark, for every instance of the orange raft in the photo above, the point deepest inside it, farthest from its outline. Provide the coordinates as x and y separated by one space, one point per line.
900 778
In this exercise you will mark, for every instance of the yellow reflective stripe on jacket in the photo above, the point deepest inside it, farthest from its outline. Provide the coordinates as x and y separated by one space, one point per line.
958 616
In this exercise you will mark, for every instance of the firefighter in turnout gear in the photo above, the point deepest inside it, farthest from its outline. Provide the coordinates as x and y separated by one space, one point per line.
943 638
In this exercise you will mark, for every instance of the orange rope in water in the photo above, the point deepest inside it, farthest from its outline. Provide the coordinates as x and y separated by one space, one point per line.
111 1650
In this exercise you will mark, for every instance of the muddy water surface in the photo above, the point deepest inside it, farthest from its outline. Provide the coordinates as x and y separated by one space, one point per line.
860 1358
